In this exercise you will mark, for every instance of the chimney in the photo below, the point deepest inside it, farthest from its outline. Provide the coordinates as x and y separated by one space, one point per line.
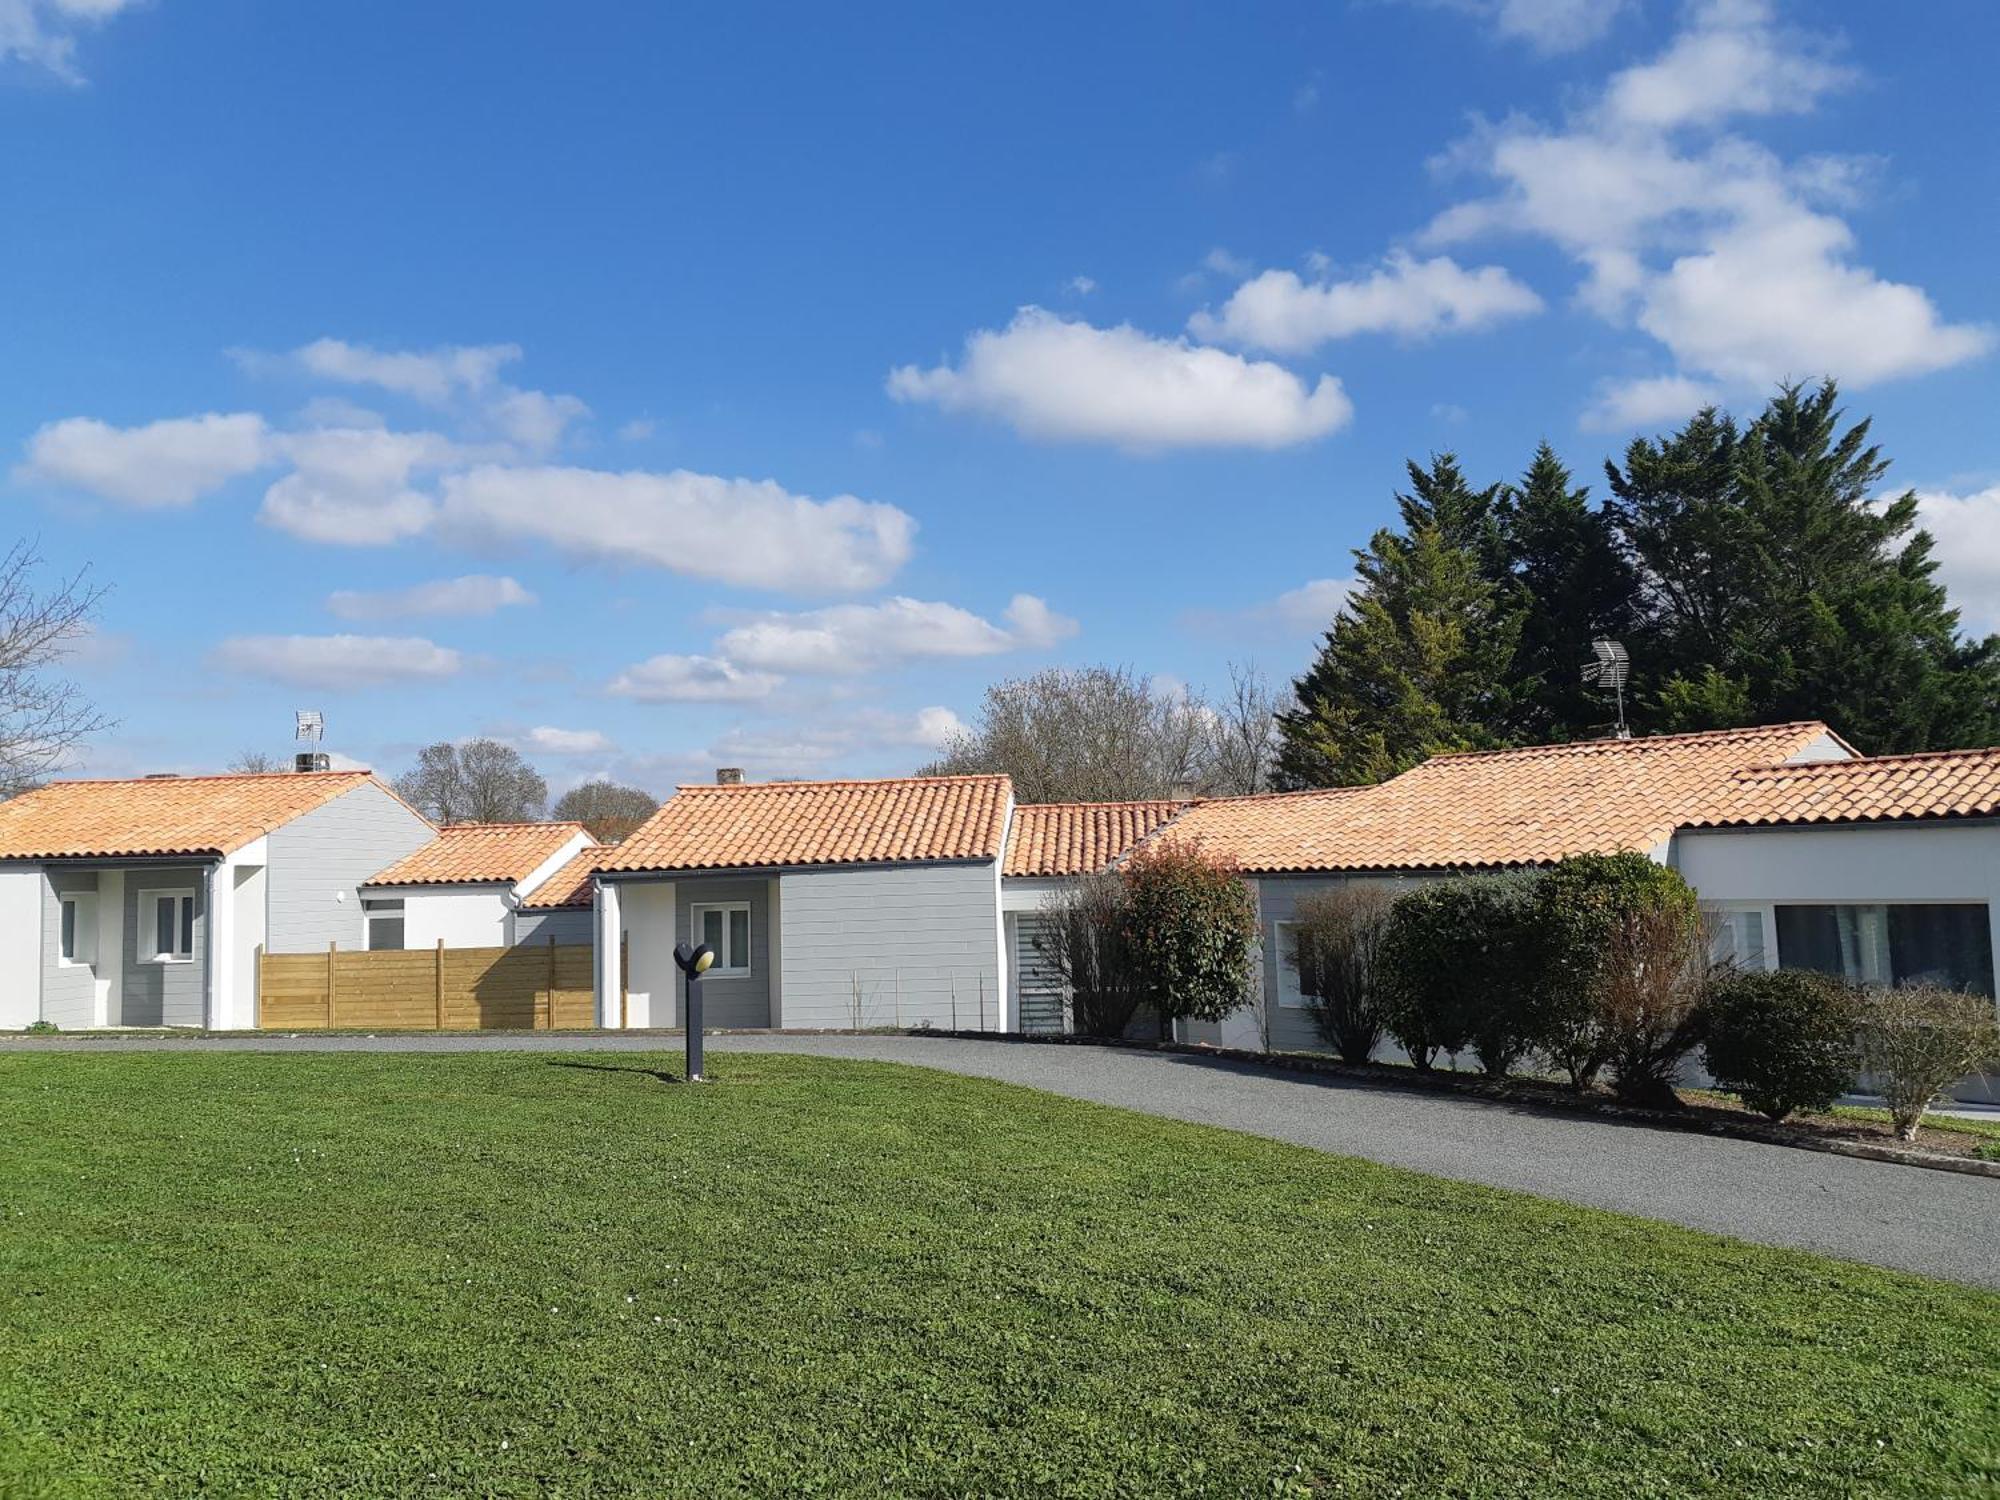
729 776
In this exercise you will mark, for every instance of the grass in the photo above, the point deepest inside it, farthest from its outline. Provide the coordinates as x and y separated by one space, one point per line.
523 1274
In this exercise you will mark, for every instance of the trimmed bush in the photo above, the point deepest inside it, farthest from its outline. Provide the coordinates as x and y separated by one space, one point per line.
1782 1041
1458 966
1582 904
1918 1041
1335 935
1192 930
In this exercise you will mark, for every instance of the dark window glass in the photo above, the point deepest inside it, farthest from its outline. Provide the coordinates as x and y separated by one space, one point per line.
1948 945
385 933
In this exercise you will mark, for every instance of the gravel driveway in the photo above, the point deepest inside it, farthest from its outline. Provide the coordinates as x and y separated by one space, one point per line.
1936 1223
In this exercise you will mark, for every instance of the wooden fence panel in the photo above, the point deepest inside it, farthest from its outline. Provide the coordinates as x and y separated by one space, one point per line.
531 987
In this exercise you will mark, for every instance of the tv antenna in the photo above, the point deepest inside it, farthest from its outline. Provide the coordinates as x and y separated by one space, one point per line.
310 726
1612 669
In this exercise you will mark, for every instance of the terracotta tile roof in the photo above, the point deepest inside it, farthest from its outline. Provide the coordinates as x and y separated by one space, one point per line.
571 885
1502 807
204 815
765 824
479 854
1941 784
1079 838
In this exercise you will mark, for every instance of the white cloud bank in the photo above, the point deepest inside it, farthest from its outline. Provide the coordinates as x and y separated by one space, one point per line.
470 594
1058 380
1730 258
337 662
1279 312
44 33
155 466
1967 529
547 739
674 678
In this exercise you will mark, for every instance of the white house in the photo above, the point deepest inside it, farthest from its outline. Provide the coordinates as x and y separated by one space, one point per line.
465 887
828 904
144 902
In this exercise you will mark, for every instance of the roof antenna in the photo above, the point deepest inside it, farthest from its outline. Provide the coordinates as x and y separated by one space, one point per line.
309 726
1612 669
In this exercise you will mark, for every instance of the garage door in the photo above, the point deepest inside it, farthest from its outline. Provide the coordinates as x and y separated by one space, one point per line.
1039 987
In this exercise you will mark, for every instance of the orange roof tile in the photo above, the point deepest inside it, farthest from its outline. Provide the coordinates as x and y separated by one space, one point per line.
1079 838
572 884
765 824
1496 808
479 854
153 815
1939 784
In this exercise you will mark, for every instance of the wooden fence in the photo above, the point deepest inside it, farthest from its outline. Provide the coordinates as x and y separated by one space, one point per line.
536 987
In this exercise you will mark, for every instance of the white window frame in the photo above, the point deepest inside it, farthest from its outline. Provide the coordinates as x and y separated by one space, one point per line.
383 909
1290 996
83 928
1767 913
726 965
149 924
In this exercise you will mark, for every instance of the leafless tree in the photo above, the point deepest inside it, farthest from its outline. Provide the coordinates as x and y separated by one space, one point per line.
611 812
1242 735
1659 967
1918 1040
1084 937
255 763
1333 940
480 781
1109 734
42 717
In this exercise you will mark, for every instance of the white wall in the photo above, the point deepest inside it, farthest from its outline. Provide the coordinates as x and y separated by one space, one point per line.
918 944
458 917
249 936
647 908
20 947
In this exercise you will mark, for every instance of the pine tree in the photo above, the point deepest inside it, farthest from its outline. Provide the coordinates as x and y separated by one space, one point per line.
1418 660
1573 585
1775 587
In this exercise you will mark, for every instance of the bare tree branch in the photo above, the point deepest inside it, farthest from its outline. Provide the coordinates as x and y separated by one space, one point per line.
42 718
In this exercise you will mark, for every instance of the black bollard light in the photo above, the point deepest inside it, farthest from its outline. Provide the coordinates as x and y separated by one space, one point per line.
693 962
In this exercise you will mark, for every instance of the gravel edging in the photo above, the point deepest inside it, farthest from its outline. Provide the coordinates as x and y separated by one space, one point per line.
1498 1092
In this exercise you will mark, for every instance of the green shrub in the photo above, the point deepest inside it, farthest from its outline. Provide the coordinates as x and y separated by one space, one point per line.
42 1027
1334 938
1458 967
1192 929
1782 1040
1918 1041
1582 905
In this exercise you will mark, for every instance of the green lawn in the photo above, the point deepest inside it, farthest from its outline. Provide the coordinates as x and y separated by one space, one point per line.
525 1274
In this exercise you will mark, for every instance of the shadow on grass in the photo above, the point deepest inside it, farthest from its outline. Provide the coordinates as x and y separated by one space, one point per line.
661 1074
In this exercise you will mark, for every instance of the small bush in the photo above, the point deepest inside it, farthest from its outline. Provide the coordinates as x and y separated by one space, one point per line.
1458 967
1652 989
1083 937
1782 1040
1192 929
1919 1040
1334 937
1580 904
42 1028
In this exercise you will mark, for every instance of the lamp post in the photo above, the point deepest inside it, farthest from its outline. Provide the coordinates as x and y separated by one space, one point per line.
693 962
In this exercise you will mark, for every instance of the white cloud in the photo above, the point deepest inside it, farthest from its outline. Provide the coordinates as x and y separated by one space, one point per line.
354 486
747 532
337 662
1081 286
1967 530
536 420
1705 241
549 740
936 726
636 431
1647 402
43 33
162 464
427 375
853 638
471 594
1280 312
691 679
1058 380
1557 25
1311 606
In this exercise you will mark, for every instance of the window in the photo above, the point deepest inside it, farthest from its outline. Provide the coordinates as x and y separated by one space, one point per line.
1289 996
166 926
79 927
1948 945
1739 936
726 929
384 916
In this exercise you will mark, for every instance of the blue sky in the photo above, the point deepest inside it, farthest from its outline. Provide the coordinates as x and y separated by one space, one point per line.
664 387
